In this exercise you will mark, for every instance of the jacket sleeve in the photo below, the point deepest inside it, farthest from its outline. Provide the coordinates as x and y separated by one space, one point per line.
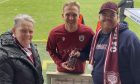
52 49
135 58
121 3
6 70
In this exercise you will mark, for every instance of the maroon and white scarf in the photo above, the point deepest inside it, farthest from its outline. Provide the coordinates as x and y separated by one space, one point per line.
111 73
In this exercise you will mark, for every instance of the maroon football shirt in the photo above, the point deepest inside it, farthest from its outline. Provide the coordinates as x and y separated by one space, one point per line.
61 43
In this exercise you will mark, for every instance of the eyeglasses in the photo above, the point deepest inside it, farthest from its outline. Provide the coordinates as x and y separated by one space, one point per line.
112 15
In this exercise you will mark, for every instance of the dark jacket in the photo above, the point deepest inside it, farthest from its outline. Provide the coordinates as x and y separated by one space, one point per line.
15 67
129 57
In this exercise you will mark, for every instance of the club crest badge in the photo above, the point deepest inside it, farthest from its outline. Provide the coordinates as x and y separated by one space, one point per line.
112 78
81 38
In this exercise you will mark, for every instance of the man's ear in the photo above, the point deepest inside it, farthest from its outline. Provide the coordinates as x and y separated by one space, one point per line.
99 17
62 15
13 30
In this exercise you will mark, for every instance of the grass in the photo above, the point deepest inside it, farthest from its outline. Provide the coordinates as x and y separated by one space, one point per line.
47 14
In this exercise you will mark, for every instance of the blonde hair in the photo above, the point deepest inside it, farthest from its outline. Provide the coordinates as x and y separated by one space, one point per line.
72 3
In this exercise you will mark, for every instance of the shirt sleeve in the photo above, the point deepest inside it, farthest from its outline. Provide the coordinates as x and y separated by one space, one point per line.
52 49
84 54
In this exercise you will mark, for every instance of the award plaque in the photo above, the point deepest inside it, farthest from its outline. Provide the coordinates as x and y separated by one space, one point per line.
72 61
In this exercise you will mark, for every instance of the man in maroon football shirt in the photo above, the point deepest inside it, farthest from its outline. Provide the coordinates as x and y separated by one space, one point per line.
69 37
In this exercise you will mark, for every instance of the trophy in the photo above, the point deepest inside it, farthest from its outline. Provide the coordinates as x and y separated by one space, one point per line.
72 62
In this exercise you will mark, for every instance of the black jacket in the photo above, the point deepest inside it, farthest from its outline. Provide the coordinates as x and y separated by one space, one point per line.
15 67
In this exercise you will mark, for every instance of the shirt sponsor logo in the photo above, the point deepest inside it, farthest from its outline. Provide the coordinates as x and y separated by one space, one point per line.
101 46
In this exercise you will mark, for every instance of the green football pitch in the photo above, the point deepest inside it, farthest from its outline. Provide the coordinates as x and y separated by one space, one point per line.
47 14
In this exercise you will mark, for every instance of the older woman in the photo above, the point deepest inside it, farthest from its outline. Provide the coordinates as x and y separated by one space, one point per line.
19 60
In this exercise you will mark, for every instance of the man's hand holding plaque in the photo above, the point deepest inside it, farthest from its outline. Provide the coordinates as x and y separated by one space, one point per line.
71 62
